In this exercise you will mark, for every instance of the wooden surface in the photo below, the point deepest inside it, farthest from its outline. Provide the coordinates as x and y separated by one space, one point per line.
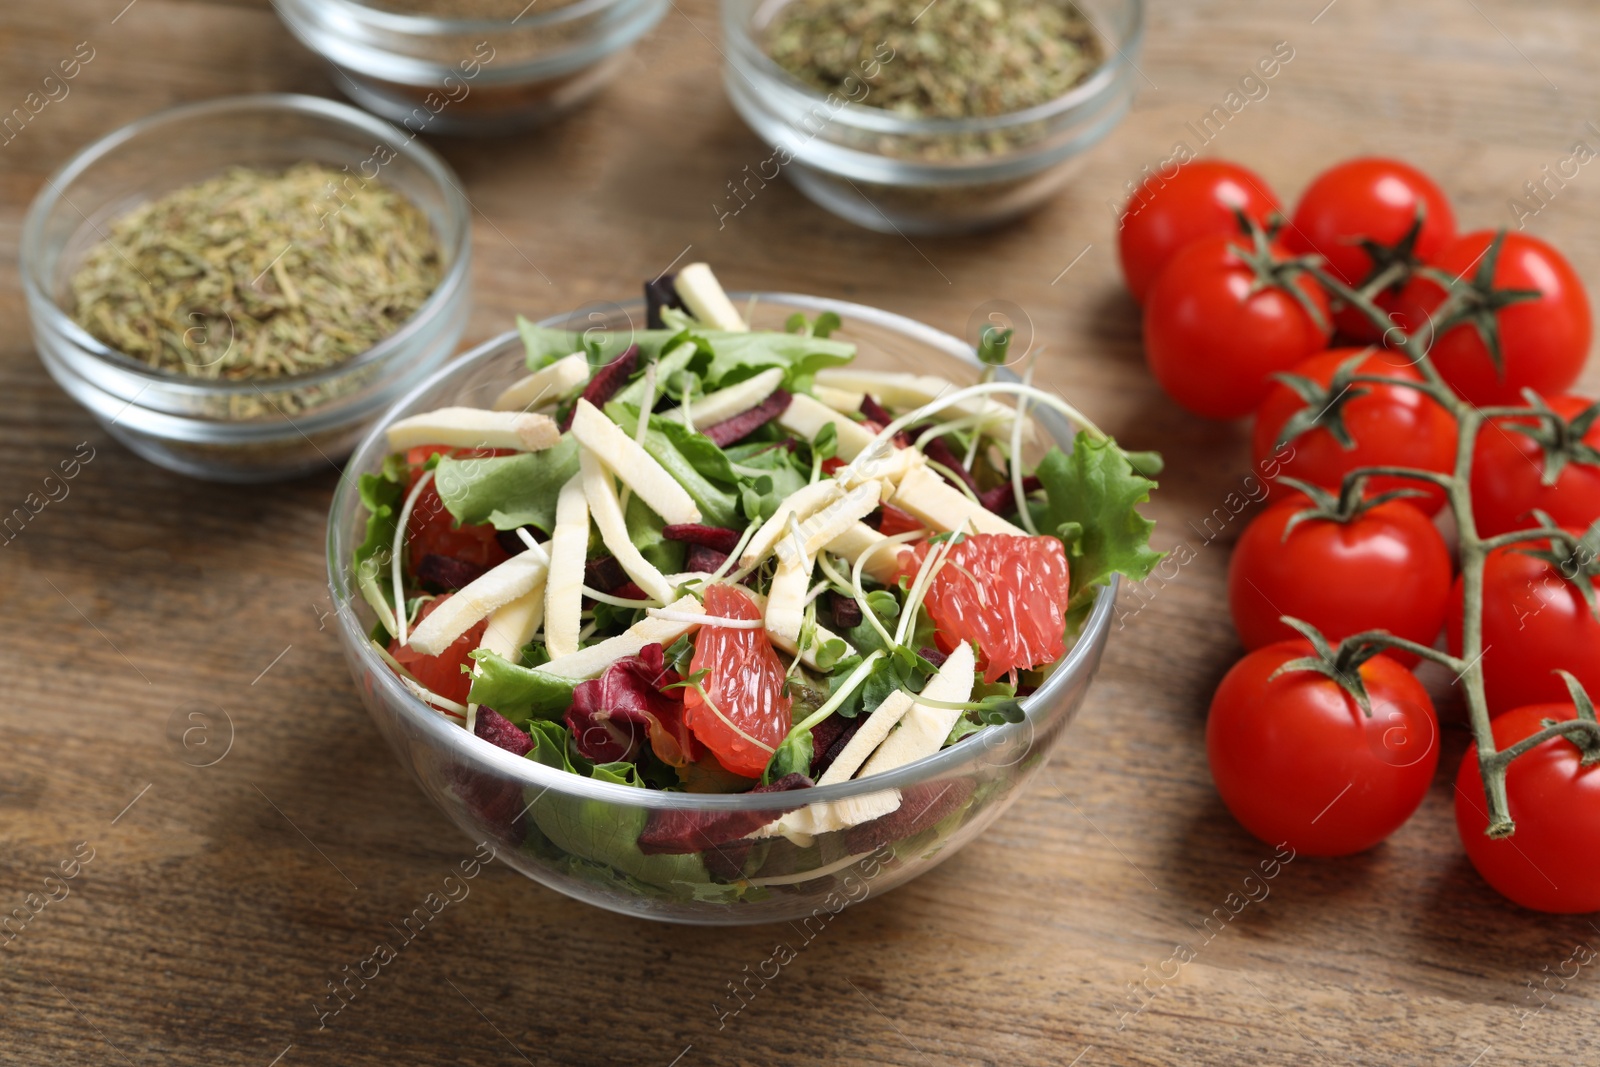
221 899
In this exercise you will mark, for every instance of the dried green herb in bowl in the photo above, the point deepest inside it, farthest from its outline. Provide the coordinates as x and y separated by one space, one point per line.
257 274
952 59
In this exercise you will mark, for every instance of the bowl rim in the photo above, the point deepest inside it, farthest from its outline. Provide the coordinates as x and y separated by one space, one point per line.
468 749
419 25
457 207
743 45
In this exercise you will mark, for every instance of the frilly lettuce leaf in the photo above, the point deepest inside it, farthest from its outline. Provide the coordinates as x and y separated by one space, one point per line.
1091 503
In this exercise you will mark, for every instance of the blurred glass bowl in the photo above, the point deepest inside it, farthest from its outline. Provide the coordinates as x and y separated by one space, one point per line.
237 431
577 835
898 174
471 75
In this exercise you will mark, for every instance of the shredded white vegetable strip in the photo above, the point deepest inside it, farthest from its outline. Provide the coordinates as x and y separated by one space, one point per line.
399 545
647 402
703 620
619 601
1017 492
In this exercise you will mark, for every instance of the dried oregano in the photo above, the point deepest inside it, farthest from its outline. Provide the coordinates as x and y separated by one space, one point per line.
951 58
258 275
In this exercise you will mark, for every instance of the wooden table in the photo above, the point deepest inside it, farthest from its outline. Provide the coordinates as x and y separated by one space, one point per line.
219 900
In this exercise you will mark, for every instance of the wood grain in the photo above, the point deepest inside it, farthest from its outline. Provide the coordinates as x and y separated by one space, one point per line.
217 907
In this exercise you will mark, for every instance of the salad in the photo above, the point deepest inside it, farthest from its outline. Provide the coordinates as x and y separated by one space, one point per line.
704 558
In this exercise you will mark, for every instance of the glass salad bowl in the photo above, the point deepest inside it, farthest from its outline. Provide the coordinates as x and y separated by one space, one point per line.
577 834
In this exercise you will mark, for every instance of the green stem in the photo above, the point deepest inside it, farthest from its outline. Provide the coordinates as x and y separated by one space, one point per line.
1571 728
1385 639
1473 548
1567 540
1434 477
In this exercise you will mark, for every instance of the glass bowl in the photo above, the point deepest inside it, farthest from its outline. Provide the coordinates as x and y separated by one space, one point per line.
897 174
576 835
225 430
469 76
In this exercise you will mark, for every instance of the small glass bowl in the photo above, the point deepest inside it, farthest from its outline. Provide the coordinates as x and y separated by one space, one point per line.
895 174
238 431
471 76
575 835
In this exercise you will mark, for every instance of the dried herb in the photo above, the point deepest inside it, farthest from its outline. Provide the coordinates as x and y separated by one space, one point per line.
951 58
259 275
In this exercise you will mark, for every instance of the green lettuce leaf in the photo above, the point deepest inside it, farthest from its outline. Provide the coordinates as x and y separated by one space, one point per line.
737 356
644 530
595 830
508 491
1091 503
678 356
545 344
520 694
382 495
692 459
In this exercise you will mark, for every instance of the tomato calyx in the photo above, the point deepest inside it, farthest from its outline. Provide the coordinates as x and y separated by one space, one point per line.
1273 271
1561 440
1576 559
1348 506
1324 405
1393 264
1340 665
1478 303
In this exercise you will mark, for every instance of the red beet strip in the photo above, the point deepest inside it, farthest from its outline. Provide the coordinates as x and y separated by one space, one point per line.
607 380
742 425
940 452
718 537
704 560
875 412
604 574
1002 499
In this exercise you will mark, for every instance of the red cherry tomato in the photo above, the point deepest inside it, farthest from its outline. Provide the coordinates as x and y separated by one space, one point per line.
1552 862
744 714
1371 198
444 674
1534 621
1388 568
1391 426
1005 593
1297 761
1166 214
1508 476
1213 342
1543 342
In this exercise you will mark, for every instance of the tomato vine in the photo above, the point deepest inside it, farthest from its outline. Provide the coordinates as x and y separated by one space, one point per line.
1473 304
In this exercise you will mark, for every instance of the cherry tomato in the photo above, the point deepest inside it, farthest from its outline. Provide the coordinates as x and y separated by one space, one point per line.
1534 621
1376 199
445 673
1298 763
1213 342
1165 214
1543 342
1508 471
1391 425
1550 863
743 715
1387 568
432 530
1005 593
